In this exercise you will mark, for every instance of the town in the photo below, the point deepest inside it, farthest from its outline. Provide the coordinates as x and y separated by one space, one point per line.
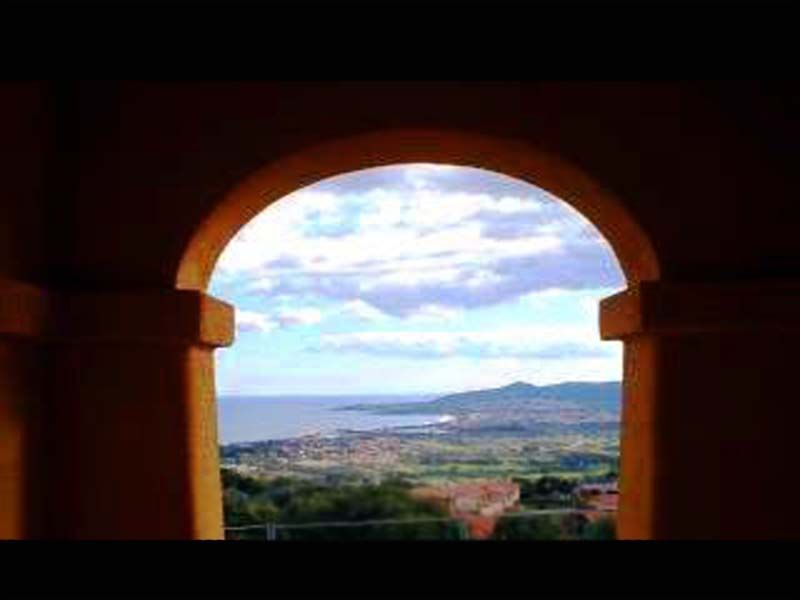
498 455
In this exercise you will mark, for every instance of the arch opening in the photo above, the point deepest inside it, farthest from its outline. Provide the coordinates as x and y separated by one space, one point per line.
499 217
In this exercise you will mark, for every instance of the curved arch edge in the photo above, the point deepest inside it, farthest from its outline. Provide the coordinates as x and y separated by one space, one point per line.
513 158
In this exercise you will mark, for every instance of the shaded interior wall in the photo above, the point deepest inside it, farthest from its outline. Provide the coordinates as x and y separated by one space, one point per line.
135 453
702 167
132 169
743 412
21 421
683 158
25 127
709 438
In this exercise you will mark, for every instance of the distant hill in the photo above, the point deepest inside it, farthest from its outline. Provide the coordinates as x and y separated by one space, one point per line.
604 396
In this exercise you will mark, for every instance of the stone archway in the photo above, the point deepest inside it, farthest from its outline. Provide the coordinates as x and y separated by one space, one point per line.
629 242
108 369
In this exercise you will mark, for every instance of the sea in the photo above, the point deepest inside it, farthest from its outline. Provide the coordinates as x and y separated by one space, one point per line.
258 418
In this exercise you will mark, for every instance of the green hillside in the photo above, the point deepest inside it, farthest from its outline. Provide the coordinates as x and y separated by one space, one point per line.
604 396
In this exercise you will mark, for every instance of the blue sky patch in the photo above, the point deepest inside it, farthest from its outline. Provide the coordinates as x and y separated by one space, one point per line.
415 279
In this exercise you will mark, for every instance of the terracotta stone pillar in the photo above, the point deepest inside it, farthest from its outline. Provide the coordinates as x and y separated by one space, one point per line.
711 414
132 422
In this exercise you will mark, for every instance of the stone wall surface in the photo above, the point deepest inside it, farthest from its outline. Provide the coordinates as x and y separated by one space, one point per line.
106 185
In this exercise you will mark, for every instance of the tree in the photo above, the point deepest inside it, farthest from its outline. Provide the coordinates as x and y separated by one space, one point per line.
249 501
604 528
248 485
525 528
574 525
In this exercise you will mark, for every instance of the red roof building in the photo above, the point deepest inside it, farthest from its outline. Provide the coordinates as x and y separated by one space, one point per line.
478 504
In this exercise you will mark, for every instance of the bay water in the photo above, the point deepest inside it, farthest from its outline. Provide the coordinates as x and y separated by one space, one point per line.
259 418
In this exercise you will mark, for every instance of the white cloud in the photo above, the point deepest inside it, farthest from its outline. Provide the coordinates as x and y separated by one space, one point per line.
419 175
299 316
363 311
408 277
253 321
542 342
546 295
424 244
482 278
430 208
264 284
590 307
247 321
427 313
434 312
401 248
394 226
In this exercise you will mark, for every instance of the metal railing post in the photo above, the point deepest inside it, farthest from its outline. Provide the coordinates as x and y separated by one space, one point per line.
270 531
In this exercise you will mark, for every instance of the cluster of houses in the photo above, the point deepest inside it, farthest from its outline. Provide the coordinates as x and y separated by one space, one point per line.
480 504
488 499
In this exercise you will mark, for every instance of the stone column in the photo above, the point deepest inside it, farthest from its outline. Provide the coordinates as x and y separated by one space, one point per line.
711 409
131 420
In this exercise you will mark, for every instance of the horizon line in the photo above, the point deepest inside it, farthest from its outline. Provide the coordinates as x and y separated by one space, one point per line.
409 393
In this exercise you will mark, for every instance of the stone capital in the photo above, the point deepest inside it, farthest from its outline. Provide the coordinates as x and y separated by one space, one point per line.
662 308
138 316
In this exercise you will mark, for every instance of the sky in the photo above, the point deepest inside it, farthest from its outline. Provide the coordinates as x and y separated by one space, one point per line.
415 279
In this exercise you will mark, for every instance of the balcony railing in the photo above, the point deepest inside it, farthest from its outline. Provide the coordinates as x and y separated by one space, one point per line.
555 523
